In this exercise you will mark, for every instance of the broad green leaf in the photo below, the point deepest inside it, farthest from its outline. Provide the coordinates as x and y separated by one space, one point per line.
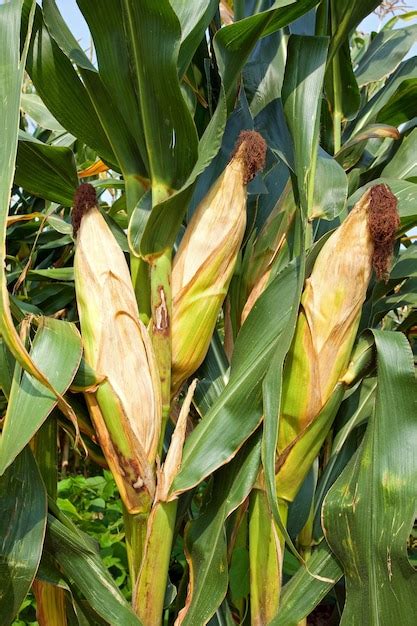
56 273
370 510
348 14
12 66
115 66
406 264
407 71
83 567
33 106
356 410
352 150
45 170
62 91
205 539
404 162
330 188
194 18
237 412
57 352
111 99
234 43
341 86
384 54
301 94
308 587
22 529
7 364
264 72
154 35
400 107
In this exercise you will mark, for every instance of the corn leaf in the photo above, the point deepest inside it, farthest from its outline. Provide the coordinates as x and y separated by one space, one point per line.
205 539
404 162
303 80
349 13
57 352
308 587
105 97
22 529
384 54
62 91
406 71
154 35
46 171
237 412
370 510
234 43
33 106
194 18
330 188
12 66
83 567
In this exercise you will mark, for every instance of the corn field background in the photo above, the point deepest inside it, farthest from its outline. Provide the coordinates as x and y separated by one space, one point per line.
208 314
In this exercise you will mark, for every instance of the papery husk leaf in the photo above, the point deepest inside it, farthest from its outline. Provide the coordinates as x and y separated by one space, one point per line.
206 257
117 346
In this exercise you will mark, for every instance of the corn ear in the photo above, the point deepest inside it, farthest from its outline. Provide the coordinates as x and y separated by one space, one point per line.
206 257
327 325
126 408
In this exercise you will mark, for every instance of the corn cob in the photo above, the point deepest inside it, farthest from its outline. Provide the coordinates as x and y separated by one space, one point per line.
327 324
206 257
126 408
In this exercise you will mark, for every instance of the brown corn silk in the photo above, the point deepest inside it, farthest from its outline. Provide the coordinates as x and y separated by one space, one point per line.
204 263
331 306
126 409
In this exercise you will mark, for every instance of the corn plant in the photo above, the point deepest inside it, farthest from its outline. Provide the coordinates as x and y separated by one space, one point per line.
208 290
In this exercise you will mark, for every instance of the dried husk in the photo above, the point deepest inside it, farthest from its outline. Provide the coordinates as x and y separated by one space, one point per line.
205 260
126 409
331 307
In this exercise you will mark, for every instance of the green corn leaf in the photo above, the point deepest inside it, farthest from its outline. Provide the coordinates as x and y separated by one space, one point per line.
12 66
407 71
234 43
330 188
237 412
404 162
83 567
205 539
62 91
111 103
57 352
349 13
308 587
154 35
370 510
22 529
194 18
384 54
46 171
301 89
33 106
